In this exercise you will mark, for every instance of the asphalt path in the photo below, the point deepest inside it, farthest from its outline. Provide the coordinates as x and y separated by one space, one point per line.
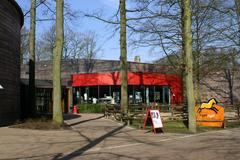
94 137
121 142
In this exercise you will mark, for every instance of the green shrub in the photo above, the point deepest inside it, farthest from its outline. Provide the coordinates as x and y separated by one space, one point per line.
90 108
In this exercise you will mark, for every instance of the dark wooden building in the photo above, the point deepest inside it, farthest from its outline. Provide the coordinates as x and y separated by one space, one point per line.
43 97
11 21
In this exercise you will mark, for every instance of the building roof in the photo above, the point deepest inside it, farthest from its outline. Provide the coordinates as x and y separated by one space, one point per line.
38 83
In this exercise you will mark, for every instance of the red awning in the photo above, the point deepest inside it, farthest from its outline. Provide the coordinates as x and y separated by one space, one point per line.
113 78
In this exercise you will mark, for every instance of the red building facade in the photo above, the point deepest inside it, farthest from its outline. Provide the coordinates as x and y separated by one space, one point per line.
145 86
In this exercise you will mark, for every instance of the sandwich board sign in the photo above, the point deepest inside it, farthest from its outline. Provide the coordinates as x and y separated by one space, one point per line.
153 119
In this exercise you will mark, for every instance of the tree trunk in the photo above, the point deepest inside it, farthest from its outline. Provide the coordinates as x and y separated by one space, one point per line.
32 102
229 74
187 55
237 10
57 54
123 58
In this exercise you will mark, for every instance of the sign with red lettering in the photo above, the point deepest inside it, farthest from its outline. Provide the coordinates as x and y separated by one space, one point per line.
153 119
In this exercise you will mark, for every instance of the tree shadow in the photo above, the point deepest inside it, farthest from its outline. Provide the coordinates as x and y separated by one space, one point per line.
108 155
70 116
47 156
90 145
87 120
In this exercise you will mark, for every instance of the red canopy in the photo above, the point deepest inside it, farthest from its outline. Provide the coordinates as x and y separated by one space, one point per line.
113 78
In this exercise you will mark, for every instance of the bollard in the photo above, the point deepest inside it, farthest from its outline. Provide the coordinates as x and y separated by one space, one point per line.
75 110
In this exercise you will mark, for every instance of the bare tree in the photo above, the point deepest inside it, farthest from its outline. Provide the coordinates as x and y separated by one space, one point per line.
49 11
24 46
76 45
228 31
230 27
44 49
32 35
57 55
90 50
204 16
188 60
47 43
228 66
123 57
156 24
122 24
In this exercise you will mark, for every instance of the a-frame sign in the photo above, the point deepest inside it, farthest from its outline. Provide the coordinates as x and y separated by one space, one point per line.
154 120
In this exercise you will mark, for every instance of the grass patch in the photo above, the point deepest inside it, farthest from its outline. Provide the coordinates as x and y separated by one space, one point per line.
91 108
168 126
232 124
179 126
175 127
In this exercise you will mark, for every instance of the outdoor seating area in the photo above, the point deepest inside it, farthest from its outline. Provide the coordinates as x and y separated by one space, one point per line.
137 113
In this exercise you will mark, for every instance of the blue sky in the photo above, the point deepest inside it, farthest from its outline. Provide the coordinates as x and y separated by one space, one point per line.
109 45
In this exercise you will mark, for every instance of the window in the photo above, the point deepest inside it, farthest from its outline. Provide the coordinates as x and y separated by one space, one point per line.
104 91
158 94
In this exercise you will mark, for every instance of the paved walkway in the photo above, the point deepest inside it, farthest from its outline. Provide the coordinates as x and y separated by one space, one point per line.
95 137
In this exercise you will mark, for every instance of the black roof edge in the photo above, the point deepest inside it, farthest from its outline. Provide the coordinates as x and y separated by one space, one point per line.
15 4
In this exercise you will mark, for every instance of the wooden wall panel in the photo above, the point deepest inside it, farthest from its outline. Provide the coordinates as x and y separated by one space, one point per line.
10 26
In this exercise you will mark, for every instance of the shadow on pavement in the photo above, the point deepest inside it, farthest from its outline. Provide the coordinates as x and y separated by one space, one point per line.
47 156
90 145
70 116
108 155
87 120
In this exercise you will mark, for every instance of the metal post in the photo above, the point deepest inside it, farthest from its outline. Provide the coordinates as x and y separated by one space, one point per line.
238 112
147 95
70 98
110 91
98 92
169 96
154 94
80 99
163 95
87 92
144 95
133 95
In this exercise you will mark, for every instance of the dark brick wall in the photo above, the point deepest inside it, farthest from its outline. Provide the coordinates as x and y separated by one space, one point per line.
69 67
216 85
10 26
